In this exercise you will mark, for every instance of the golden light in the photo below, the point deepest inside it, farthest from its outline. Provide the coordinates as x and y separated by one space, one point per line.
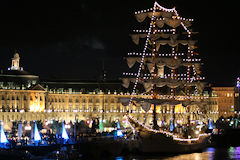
35 104
179 108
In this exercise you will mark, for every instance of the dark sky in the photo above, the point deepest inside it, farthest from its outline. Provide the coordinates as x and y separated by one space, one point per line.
72 39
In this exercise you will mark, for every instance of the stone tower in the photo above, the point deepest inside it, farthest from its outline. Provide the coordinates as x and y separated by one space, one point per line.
15 62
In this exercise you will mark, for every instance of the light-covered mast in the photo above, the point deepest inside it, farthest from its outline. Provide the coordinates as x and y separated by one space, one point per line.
169 69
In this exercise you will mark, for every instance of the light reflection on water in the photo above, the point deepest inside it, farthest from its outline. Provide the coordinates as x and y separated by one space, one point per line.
208 154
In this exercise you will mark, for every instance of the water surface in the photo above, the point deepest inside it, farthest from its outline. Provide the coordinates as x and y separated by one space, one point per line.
208 154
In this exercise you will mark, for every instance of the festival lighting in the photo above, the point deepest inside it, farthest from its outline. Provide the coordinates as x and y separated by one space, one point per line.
210 124
3 136
238 82
149 31
37 136
27 128
143 56
168 134
64 132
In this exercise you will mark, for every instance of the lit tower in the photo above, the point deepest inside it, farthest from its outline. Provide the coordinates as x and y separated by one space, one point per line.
15 62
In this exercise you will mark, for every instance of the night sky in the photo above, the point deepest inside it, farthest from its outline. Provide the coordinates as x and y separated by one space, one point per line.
74 39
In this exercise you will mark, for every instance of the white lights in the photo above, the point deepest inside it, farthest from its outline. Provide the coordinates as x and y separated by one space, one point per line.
168 133
160 55
67 126
27 128
156 31
143 55
152 44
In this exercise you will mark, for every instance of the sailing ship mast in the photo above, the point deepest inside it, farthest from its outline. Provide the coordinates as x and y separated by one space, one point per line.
165 68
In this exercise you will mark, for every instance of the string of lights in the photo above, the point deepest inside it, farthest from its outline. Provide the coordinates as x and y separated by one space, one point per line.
143 56
160 55
157 30
173 54
168 133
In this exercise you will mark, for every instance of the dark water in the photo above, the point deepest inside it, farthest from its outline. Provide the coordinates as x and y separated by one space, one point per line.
209 154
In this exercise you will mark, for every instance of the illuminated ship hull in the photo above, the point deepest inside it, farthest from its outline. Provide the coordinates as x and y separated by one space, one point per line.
159 143
154 141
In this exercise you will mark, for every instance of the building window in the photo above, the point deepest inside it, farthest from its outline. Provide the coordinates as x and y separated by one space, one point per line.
90 100
112 100
97 100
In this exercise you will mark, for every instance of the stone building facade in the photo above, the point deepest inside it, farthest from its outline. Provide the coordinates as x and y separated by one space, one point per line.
228 100
27 99
29 105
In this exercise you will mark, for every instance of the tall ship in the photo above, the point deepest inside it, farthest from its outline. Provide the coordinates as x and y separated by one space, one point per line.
165 77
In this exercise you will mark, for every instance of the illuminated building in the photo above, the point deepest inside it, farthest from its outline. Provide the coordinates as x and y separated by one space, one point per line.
15 77
24 98
228 100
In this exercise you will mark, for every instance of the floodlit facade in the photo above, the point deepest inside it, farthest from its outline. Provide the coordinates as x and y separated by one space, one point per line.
228 100
24 98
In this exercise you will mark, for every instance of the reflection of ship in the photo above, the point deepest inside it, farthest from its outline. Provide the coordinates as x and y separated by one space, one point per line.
170 75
